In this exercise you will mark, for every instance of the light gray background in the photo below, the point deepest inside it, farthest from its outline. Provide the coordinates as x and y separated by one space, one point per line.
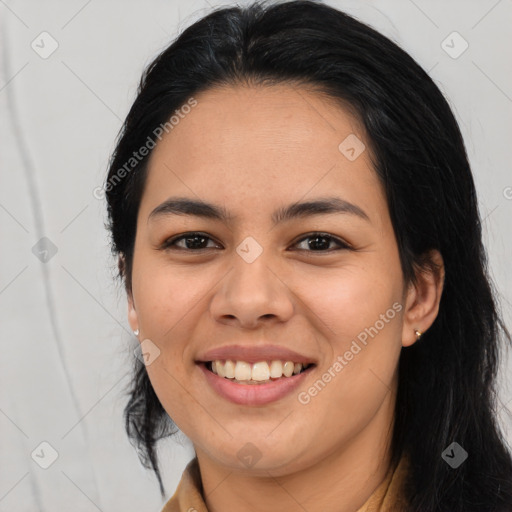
66 346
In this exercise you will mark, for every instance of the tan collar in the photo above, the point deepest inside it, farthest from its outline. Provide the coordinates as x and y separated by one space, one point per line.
188 496
386 498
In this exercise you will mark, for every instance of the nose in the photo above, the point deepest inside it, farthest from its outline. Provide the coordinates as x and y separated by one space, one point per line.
252 294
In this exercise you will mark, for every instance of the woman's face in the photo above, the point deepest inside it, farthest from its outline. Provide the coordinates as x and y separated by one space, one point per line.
252 282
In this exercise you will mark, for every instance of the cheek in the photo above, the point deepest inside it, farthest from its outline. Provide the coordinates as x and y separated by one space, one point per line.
165 296
168 304
350 299
170 386
359 313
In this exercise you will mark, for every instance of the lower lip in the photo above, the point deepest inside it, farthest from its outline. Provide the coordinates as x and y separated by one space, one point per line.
254 394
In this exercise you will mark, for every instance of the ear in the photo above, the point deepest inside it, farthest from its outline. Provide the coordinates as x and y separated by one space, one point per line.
132 313
423 298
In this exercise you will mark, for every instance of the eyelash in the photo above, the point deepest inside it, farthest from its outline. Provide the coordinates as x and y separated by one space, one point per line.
168 244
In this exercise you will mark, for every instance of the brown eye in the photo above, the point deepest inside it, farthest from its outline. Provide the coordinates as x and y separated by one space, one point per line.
319 242
193 241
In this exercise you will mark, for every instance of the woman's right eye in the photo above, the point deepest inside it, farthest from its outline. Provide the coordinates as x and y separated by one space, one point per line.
192 241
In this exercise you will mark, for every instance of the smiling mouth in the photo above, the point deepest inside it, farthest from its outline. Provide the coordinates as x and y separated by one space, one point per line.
258 373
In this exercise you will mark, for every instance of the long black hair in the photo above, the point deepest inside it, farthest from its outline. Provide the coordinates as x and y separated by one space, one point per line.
447 389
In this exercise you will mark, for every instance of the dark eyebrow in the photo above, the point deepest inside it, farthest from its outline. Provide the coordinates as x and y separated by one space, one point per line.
198 208
318 207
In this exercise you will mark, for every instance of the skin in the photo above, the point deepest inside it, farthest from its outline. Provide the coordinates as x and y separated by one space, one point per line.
253 150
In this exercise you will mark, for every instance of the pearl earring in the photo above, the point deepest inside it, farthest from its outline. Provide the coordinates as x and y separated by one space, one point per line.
136 332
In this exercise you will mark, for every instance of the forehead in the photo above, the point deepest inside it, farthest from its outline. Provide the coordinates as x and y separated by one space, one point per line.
240 144
279 117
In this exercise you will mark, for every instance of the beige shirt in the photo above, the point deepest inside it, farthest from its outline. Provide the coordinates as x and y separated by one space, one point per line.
386 498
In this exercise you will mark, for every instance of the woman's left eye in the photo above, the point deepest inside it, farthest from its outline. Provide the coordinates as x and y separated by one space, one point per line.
195 241
323 240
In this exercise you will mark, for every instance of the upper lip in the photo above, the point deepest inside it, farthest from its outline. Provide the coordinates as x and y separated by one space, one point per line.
254 354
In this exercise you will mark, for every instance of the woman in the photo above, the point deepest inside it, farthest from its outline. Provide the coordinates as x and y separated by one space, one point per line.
298 234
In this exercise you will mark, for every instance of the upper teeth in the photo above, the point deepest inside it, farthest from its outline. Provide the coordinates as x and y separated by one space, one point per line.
260 371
